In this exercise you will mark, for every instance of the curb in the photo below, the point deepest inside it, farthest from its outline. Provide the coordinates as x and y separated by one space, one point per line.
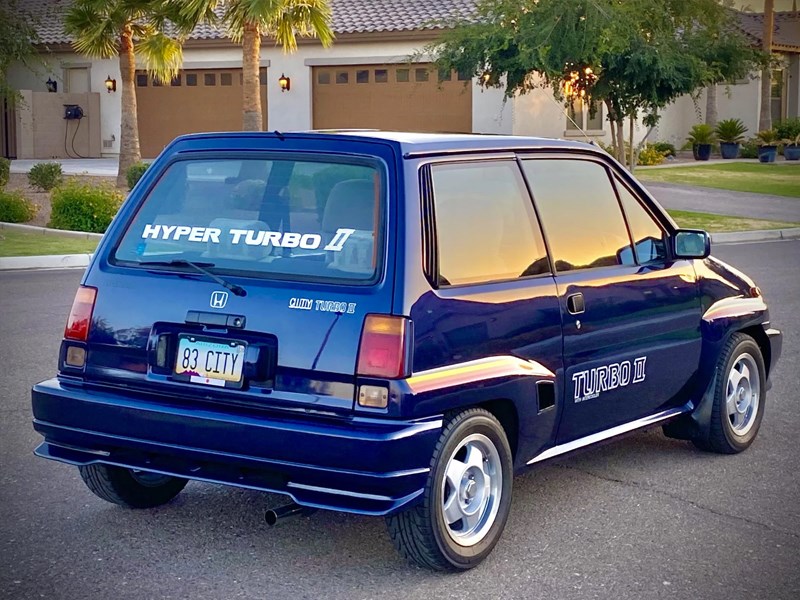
763 235
52 232
58 261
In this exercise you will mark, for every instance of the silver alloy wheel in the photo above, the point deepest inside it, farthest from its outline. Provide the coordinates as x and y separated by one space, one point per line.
743 394
471 489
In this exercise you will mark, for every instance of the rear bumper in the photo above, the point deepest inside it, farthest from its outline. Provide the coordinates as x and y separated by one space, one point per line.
361 465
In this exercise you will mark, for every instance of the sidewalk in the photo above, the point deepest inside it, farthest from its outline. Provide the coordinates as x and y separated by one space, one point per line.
101 167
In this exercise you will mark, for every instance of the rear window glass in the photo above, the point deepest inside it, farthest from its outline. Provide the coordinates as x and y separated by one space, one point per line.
290 219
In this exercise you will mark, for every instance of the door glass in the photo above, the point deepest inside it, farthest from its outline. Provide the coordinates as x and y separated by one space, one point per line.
486 228
580 213
648 237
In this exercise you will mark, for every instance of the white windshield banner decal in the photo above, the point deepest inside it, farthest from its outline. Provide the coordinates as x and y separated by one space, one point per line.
249 237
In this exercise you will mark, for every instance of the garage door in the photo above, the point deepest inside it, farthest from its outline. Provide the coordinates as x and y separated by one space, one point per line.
399 97
196 100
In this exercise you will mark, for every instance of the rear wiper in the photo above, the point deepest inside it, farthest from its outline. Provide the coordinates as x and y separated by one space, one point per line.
200 267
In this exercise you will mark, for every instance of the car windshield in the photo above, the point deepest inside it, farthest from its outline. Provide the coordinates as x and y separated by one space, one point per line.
311 219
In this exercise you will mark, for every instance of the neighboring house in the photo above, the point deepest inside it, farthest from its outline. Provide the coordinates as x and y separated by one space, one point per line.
742 99
374 76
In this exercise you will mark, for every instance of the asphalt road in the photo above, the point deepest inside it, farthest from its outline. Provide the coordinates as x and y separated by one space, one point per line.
645 517
725 202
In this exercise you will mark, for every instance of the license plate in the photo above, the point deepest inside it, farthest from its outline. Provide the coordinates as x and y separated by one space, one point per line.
210 362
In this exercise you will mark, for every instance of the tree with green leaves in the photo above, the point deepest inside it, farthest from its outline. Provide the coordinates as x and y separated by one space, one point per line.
635 56
18 45
247 21
152 30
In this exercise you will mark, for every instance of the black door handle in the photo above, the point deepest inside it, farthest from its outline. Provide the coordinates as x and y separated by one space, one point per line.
575 304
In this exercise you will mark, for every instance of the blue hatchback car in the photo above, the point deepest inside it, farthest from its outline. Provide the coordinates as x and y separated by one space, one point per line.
393 324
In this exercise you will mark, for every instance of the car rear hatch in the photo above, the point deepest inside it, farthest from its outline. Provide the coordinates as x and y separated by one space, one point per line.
243 279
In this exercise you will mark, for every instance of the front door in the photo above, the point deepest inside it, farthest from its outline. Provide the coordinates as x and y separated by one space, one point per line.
631 317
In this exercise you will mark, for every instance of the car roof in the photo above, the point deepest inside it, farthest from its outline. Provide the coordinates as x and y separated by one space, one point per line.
412 144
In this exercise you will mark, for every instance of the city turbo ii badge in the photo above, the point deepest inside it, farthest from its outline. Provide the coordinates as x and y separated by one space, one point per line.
218 299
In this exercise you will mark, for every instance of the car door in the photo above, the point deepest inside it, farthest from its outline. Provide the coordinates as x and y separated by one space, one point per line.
630 315
491 308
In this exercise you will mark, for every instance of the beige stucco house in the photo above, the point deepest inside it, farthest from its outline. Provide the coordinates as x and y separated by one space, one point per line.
366 80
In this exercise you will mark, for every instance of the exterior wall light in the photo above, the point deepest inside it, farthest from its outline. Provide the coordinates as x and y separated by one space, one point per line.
111 84
52 86
284 83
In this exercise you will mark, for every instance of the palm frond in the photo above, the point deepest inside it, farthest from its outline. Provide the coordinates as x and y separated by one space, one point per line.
161 54
95 31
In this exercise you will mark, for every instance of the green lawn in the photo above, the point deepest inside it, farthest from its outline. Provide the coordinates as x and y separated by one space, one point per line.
775 179
24 243
720 223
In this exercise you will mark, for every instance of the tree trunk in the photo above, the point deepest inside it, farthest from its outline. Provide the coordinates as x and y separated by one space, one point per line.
765 117
251 86
129 152
620 124
632 160
711 105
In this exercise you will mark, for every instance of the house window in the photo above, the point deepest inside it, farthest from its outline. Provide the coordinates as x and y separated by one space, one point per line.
445 75
210 79
191 79
362 76
176 81
323 77
141 80
225 79
342 77
777 100
401 75
381 76
464 76
585 115
421 75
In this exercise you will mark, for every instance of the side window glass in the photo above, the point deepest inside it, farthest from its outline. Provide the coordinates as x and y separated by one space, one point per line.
486 229
580 213
648 237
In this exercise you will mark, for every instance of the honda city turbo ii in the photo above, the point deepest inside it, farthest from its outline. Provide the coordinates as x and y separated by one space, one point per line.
393 324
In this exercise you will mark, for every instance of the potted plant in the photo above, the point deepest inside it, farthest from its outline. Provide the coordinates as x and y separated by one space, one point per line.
791 148
730 133
788 131
767 145
701 136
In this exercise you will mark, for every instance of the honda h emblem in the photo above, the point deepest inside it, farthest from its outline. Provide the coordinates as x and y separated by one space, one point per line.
219 299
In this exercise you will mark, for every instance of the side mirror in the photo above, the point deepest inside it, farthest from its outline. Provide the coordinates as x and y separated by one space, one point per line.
691 243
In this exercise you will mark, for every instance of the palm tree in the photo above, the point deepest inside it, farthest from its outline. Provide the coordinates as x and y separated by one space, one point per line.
150 29
765 117
248 20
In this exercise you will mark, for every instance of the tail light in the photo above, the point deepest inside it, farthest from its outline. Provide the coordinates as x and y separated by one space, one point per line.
80 317
383 348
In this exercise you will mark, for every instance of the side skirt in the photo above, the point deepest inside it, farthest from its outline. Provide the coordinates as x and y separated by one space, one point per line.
610 433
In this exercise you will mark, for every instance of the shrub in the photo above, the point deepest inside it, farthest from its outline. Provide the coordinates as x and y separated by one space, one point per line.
45 176
788 129
16 208
767 137
82 207
5 170
749 149
650 156
135 172
665 148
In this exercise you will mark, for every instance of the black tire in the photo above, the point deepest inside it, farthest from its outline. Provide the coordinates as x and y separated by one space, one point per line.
421 533
128 488
723 437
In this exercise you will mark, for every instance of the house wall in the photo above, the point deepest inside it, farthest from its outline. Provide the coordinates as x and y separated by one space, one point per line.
54 67
736 101
42 131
